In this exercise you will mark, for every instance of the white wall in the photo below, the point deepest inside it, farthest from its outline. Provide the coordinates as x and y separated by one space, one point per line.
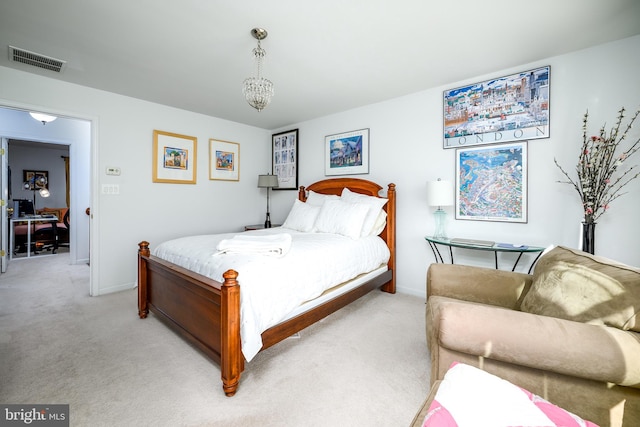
122 130
405 149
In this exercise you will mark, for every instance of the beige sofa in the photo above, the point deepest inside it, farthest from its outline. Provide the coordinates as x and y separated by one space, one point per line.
569 333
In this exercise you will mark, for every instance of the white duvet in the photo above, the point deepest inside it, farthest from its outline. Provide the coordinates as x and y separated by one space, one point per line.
271 287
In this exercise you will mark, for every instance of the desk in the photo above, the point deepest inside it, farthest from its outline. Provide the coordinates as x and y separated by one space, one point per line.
29 220
498 247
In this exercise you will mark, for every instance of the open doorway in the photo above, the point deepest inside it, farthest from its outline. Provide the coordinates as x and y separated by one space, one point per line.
38 181
74 136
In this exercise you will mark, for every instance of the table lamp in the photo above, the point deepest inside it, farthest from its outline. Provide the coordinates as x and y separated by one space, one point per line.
439 193
268 182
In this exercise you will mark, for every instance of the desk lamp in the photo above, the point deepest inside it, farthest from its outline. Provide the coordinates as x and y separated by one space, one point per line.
439 193
268 182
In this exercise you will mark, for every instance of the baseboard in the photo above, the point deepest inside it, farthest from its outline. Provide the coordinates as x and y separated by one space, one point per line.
118 288
411 291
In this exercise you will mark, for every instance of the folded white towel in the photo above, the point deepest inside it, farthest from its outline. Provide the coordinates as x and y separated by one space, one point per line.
274 244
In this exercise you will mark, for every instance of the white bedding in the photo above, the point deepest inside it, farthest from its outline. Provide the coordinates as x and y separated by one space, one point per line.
271 287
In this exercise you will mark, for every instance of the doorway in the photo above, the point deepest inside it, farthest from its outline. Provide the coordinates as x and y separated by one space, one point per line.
74 135
38 178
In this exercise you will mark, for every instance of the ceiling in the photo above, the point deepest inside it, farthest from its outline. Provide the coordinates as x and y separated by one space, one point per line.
323 56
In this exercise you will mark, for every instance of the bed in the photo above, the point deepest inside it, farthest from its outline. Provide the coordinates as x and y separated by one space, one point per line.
207 312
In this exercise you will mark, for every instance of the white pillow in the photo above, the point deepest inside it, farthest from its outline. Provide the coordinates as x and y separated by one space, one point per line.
380 223
375 206
302 216
338 217
317 199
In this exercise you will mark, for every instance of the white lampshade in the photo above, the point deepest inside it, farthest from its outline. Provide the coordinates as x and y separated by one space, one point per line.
439 193
267 181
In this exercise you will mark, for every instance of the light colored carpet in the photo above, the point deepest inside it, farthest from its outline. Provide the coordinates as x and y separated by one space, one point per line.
366 365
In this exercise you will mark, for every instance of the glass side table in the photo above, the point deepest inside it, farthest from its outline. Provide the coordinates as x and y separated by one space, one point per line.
495 248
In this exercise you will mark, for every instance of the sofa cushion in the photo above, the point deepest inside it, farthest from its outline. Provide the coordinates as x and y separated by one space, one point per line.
574 285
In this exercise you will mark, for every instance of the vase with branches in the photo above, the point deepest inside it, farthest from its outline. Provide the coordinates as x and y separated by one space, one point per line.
602 171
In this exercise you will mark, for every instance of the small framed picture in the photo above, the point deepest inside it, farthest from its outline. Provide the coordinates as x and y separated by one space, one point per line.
224 160
35 180
491 182
347 153
285 159
174 158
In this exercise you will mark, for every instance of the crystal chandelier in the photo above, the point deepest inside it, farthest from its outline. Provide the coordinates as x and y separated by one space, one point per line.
258 90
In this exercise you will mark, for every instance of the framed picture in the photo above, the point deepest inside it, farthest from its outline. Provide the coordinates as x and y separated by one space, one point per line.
347 153
35 180
284 159
509 108
491 182
224 160
174 158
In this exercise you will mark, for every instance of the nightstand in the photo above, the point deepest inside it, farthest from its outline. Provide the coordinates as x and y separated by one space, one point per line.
258 227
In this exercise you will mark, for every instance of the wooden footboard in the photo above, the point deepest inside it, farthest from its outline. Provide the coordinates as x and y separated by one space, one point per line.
202 310
207 312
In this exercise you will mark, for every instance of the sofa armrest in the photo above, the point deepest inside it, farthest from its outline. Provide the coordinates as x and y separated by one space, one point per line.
478 284
593 352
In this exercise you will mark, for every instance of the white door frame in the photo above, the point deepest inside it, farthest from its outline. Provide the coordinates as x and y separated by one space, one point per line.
4 197
93 161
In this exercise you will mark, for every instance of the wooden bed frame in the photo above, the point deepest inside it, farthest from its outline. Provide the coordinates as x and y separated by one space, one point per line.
207 312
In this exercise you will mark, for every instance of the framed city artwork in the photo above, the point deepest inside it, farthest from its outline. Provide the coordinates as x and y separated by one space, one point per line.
347 153
284 159
224 160
491 182
504 109
174 158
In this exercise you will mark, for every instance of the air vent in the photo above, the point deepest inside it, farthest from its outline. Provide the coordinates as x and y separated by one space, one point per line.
35 59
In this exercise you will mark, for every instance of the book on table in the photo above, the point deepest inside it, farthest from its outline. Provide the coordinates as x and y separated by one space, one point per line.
474 242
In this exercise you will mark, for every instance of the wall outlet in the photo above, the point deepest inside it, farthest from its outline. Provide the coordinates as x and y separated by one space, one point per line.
113 170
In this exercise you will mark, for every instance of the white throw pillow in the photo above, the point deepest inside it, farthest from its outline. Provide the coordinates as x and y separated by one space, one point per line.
380 223
317 199
338 217
302 217
375 207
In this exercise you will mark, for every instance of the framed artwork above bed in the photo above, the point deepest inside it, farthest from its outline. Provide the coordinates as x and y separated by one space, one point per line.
284 159
347 153
174 158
